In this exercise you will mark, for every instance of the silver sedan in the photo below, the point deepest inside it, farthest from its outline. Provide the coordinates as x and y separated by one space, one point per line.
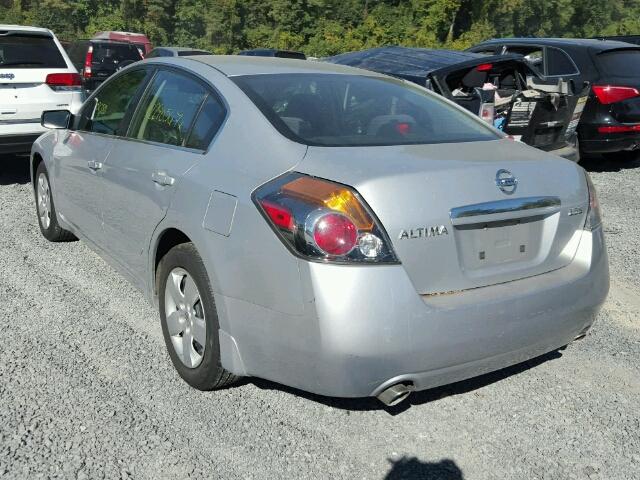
324 227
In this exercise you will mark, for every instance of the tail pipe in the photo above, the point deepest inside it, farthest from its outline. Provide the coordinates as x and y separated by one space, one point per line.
395 394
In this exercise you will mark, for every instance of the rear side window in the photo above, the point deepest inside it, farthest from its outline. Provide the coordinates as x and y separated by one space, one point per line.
29 51
558 63
619 63
207 124
355 110
169 108
106 112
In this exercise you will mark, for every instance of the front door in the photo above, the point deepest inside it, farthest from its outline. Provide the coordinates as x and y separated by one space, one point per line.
82 154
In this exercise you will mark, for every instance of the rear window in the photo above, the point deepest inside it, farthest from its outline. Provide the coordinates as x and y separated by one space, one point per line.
186 53
354 110
620 63
114 53
29 51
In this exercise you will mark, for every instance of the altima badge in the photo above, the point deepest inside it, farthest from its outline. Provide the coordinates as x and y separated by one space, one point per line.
425 232
506 182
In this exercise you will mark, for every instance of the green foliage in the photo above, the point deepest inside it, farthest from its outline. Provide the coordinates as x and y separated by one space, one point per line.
326 27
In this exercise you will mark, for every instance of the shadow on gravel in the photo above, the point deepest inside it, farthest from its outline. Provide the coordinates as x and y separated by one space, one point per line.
416 398
408 468
602 164
14 169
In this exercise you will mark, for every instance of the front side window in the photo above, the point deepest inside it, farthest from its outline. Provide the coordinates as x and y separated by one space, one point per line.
22 50
534 56
168 109
355 110
106 112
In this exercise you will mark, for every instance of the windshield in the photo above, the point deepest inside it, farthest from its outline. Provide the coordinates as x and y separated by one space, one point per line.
620 63
355 110
29 51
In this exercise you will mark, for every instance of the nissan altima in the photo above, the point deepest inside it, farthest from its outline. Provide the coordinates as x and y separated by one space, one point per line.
321 226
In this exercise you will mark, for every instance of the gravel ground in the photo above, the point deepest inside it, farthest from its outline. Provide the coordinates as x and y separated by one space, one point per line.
87 389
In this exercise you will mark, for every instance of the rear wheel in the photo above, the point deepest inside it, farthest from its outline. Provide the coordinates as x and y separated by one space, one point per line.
47 219
189 319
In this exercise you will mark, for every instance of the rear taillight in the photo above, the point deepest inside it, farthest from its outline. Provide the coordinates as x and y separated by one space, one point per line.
64 82
607 94
323 221
594 215
86 72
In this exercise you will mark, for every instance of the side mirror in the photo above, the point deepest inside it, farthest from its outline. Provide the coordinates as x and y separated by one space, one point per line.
59 119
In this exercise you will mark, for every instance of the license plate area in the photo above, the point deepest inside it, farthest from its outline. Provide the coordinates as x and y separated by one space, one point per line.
489 245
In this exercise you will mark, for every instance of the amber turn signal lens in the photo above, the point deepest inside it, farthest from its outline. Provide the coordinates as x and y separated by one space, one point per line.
330 195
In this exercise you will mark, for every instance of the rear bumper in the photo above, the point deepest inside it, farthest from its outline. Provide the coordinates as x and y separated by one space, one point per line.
366 328
591 141
570 152
17 143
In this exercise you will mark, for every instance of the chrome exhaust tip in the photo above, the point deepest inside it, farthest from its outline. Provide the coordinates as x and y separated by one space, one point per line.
395 394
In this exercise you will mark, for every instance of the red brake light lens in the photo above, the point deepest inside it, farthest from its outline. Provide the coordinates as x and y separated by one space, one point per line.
608 94
335 234
64 82
485 67
86 72
280 216
322 220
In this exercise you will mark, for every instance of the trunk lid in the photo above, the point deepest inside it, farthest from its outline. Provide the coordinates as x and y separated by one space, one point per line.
450 225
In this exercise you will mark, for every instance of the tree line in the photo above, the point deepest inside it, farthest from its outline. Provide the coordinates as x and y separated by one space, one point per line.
326 27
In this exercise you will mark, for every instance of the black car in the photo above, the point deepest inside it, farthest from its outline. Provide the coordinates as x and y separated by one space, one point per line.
610 123
503 90
97 60
272 52
635 39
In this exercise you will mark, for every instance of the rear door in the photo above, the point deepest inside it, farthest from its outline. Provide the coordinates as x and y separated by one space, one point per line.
80 158
26 58
171 129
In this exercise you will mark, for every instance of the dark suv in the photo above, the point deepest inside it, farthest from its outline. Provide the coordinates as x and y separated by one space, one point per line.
610 123
97 60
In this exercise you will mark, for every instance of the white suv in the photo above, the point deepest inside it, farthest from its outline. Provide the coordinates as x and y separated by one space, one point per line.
35 75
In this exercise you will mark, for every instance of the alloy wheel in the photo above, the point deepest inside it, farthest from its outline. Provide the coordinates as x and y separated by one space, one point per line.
185 317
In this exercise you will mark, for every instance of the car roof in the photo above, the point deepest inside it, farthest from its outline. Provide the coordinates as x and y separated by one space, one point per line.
24 28
592 43
414 63
234 65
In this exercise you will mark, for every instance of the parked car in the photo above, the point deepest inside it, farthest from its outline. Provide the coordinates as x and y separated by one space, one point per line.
140 40
610 123
503 90
370 239
175 52
35 75
635 39
272 52
99 59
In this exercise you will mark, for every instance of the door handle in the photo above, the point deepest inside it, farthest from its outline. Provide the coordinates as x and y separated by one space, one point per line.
161 178
93 165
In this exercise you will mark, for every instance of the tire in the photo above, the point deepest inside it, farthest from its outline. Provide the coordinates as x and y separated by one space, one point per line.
189 319
46 210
